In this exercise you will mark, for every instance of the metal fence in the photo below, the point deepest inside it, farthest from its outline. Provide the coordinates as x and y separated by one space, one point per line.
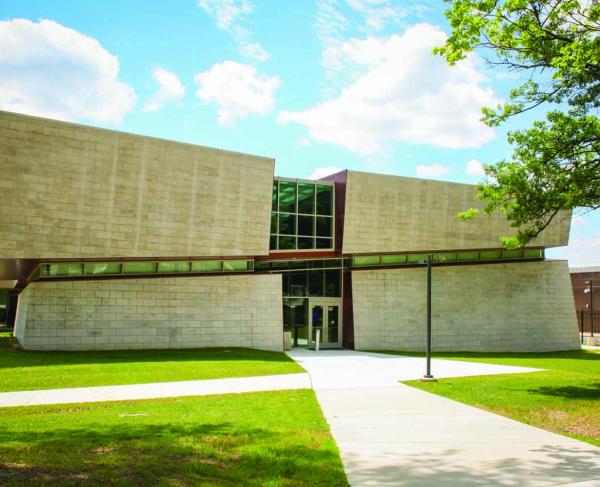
588 322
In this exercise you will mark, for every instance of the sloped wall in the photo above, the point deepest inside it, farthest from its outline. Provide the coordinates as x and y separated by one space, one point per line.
187 312
524 307
396 214
72 191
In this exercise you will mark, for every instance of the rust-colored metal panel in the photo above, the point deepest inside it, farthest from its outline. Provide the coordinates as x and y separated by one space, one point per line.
17 269
348 313
339 179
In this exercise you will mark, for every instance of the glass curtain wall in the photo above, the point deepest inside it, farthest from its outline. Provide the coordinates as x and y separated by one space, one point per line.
298 287
302 216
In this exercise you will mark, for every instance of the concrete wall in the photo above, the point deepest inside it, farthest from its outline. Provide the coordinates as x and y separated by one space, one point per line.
396 214
186 312
72 191
481 308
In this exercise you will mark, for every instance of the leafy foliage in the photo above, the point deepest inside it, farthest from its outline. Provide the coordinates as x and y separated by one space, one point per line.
556 162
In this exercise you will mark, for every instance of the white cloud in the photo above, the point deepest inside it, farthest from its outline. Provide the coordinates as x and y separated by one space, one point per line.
339 20
432 171
336 19
231 16
475 168
581 252
54 71
584 243
169 90
407 94
321 172
254 50
578 221
237 89
227 13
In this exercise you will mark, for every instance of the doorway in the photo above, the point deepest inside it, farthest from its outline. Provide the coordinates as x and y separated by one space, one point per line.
324 320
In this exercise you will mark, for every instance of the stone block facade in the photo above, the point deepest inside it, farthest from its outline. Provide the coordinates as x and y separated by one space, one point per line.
524 307
189 312
72 191
397 214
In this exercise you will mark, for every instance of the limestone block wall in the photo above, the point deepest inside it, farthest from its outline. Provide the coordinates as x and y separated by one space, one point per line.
186 312
395 214
521 307
73 191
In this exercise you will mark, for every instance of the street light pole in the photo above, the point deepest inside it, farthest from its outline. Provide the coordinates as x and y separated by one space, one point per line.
428 377
590 291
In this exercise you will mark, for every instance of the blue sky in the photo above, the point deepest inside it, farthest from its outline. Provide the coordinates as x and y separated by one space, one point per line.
317 85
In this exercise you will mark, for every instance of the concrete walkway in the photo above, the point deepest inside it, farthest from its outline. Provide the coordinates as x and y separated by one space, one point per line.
390 434
371 372
156 390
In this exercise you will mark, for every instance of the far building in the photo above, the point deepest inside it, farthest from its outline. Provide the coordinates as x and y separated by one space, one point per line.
586 292
110 240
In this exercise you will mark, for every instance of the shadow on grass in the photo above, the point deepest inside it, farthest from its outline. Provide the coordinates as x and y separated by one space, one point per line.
209 454
570 354
13 357
590 391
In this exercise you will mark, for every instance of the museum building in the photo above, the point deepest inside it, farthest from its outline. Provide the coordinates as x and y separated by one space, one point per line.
110 240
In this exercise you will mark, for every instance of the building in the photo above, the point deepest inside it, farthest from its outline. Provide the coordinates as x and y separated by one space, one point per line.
585 282
120 241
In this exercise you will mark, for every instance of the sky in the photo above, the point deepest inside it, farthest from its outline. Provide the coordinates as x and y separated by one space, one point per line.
319 85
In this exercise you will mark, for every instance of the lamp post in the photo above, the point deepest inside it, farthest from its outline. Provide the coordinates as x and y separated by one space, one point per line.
428 377
590 290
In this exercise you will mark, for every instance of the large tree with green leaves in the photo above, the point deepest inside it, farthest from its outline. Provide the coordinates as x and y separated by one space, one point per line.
555 46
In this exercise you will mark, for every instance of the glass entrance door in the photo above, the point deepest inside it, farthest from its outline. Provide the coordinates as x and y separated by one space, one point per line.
325 317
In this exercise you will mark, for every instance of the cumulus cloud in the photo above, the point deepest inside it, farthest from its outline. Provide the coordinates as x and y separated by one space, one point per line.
321 172
54 71
169 90
406 94
432 171
231 16
237 89
475 168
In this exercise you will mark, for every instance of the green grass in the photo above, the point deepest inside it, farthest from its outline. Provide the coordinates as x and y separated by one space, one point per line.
261 439
29 370
564 398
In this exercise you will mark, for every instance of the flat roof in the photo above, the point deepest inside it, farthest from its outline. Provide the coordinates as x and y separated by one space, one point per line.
579 270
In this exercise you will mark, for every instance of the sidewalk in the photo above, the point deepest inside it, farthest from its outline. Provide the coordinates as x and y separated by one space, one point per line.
390 434
333 378
156 390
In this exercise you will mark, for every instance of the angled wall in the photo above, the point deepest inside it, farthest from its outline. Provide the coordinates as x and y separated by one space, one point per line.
396 214
187 312
72 191
521 307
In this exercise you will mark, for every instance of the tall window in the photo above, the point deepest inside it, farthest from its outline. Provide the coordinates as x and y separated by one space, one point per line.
302 216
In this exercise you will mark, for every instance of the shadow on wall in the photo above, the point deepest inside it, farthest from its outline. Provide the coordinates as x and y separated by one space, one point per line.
448 470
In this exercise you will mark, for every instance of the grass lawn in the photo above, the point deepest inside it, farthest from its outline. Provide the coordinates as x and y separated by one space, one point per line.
28 370
564 398
259 439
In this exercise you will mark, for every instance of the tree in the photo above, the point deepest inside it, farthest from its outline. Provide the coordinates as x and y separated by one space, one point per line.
556 162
